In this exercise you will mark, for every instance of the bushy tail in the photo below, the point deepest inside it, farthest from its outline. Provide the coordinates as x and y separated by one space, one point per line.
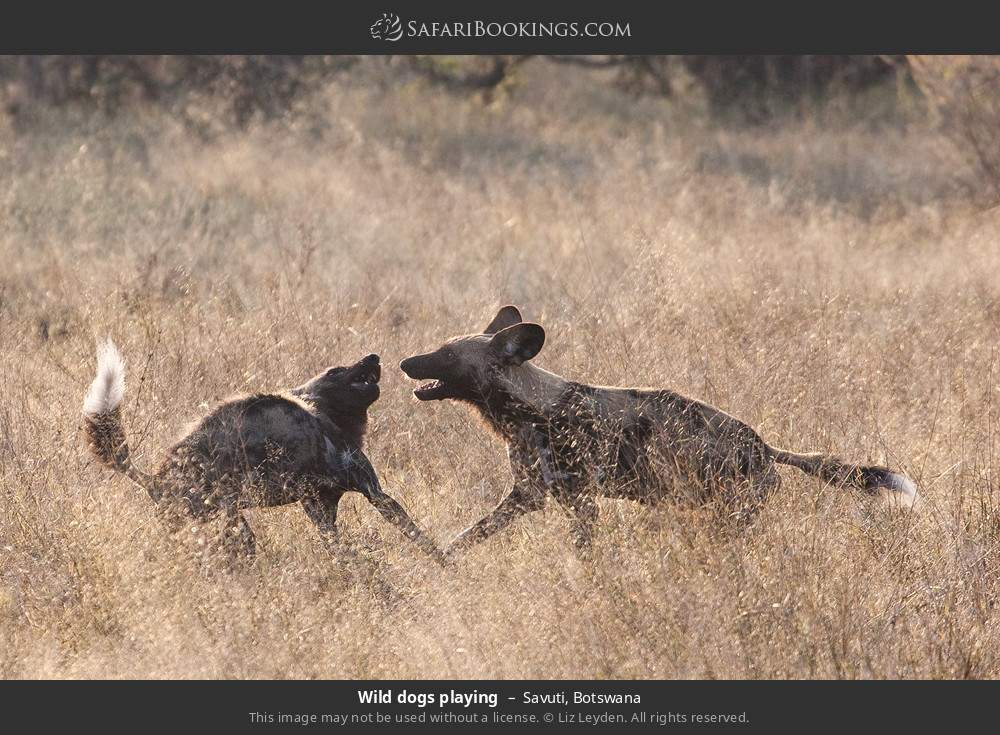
898 489
103 418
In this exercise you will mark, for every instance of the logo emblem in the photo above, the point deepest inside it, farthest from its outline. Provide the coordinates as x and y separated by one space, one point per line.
387 28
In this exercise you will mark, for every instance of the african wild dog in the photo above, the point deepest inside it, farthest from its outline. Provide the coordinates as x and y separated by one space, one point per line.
267 449
575 441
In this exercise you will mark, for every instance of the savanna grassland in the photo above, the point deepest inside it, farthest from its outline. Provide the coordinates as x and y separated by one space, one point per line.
822 277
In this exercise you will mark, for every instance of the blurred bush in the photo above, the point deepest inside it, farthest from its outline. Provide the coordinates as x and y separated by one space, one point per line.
213 97
965 92
747 89
750 88
203 91
758 87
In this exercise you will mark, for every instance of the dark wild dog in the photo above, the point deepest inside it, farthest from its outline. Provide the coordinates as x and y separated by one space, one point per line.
574 441
268 449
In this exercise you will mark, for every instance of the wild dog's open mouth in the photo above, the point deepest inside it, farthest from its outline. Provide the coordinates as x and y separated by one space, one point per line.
430 391
370 375
366 374
421 367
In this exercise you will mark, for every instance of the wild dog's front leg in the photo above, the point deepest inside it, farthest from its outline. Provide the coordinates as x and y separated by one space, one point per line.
535 455
561 485
535 476
364 479
320 498
524 498
321 507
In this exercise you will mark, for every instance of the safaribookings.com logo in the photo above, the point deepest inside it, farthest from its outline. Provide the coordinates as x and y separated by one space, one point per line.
390 28
387 28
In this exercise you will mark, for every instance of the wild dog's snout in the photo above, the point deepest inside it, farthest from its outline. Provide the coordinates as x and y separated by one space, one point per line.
415 366
368 369
367 373
427 367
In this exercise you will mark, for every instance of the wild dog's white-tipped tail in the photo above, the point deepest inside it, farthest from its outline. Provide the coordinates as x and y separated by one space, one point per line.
102 419
901 492
896 488
108 388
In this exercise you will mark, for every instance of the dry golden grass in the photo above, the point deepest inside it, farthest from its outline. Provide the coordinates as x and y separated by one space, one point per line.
817 280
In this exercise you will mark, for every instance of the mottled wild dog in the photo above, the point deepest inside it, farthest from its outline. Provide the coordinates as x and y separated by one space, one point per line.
303 445
574 441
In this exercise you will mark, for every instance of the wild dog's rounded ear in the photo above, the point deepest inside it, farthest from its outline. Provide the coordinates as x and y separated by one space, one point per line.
508 316
518 343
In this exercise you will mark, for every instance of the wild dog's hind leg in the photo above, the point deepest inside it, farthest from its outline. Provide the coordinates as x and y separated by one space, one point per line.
584 512
751 493
238 538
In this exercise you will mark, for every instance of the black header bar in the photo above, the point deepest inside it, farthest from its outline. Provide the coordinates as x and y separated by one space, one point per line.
517 27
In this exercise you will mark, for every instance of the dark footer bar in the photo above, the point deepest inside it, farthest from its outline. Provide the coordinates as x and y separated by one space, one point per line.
633 706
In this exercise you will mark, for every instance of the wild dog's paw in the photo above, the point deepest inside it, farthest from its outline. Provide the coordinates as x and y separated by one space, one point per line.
429 547
441 557
453 550
448 558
